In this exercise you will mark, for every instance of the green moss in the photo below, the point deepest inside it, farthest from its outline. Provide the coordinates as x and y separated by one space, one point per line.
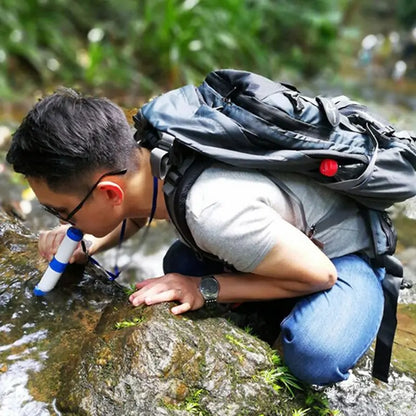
237 342
45 384
404 348
192 403
406 230
278 376
185 363
129 323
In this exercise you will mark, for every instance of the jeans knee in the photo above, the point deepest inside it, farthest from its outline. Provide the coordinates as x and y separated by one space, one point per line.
313 362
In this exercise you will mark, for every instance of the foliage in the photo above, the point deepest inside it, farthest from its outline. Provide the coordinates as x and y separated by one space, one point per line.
140 44
300 412
130 289
129 323
406 13
191 405
279 376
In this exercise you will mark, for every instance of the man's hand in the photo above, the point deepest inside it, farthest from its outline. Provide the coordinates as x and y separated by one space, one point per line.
50 240
168 288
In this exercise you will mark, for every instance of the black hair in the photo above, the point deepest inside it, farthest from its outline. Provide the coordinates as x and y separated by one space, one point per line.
66 136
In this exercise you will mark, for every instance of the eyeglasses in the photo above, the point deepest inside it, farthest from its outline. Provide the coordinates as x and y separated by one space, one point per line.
57 214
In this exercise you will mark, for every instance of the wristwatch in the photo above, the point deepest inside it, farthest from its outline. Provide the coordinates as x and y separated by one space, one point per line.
209 288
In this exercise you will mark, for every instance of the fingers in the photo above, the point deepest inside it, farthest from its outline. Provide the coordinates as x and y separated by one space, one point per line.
49 241
184 307
153 292
144 283
79 256
165 296
169 288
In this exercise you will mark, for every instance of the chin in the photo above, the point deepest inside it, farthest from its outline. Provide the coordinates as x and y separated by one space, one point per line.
102 232
96 233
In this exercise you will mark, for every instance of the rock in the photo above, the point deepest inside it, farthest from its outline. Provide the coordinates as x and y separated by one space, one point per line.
84 350
169 364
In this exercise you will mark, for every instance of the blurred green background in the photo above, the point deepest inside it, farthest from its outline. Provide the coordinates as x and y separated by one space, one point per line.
130 50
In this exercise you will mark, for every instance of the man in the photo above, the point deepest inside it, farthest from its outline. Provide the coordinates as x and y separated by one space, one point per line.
81 160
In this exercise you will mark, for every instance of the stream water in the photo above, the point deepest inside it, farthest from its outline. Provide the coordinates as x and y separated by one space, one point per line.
141 258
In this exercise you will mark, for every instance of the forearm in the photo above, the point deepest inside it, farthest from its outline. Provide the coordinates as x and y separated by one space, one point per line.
233 288
293 267
97 245
251 287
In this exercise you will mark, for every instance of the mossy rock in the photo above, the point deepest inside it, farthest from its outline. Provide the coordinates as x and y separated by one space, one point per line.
91 353
404 349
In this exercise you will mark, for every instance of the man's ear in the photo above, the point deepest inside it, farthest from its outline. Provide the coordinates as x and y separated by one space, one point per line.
112 192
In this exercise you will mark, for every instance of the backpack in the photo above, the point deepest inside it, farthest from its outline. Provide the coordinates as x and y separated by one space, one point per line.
248 121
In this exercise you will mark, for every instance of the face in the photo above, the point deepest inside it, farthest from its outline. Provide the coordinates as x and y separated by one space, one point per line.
98 212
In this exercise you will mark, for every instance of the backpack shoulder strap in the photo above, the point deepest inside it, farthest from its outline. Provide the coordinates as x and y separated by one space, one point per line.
177 185
385 336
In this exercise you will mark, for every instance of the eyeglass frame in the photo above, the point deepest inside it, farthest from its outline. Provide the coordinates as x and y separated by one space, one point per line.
67 219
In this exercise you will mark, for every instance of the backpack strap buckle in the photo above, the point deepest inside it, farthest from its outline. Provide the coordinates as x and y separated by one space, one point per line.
159 162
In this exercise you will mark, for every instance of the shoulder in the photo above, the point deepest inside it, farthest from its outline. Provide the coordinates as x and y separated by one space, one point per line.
235 215
223 184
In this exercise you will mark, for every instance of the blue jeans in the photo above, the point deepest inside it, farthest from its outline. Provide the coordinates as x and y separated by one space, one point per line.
323 334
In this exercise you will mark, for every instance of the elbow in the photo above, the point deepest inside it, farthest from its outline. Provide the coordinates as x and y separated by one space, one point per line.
322 279
329 278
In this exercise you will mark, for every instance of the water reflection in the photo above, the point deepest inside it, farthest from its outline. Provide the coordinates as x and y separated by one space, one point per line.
24 340
39 335
15 399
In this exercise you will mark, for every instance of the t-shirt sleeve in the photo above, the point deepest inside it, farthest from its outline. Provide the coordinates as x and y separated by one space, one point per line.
238 227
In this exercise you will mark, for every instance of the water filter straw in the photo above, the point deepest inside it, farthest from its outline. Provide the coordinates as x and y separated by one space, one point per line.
58 264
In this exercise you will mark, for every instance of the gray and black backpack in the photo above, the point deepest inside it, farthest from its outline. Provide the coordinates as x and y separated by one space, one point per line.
248 121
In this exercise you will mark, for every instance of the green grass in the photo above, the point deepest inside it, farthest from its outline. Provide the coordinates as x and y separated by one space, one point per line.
152 45
128 323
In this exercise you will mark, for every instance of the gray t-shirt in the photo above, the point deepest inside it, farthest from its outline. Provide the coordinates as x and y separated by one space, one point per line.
236 215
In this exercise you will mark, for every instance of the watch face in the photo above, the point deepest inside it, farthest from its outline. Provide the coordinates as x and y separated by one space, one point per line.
209 288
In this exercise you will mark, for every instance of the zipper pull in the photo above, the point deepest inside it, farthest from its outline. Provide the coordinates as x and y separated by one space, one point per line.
310 234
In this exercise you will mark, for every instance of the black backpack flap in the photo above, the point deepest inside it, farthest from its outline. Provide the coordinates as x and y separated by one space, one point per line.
270 101
183 115
377 165
230 82
238 137
391 179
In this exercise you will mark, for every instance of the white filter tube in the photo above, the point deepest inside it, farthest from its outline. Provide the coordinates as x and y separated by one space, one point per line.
59 262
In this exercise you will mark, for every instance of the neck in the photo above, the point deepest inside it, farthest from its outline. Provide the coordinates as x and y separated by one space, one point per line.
139 192
161 209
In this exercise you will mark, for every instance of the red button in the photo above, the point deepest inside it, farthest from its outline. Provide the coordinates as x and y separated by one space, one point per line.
328 167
